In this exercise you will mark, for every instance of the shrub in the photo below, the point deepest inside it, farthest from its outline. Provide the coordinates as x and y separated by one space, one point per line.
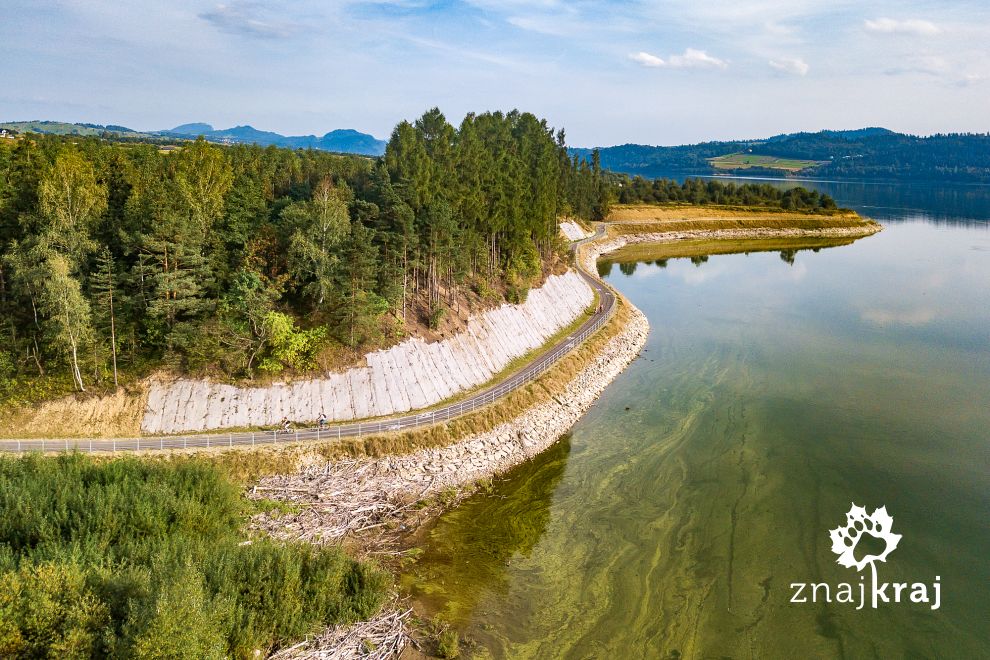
436 317
140 559
288 345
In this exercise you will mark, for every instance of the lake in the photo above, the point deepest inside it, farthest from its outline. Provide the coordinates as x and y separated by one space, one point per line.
775 390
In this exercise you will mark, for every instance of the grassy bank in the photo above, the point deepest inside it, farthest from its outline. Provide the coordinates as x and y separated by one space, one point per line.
651 219
133 558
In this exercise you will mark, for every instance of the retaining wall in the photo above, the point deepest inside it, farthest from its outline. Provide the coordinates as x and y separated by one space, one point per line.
411 375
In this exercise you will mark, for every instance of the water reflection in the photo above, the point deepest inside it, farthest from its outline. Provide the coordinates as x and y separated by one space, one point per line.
459 568
704 481
629 259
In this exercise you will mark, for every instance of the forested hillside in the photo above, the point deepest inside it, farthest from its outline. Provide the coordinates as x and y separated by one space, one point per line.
118 258
638 190
861 154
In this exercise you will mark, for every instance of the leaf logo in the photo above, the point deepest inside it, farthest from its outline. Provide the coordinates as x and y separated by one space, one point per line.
845 539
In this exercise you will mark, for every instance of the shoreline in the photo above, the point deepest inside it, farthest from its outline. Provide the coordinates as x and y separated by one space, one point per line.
595 250
373 491
372 501
389 484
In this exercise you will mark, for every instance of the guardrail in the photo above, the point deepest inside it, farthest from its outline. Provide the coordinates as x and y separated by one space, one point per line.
337 431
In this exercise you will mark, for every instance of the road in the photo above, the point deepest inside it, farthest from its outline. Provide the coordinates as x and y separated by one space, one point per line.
443 413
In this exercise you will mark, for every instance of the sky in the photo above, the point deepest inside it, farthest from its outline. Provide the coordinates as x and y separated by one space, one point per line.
662 72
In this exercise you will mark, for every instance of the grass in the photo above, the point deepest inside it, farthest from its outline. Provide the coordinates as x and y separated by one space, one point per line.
646 219
50 407
133 558
741 161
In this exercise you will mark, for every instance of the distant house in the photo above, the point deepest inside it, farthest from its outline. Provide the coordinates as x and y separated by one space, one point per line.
6 135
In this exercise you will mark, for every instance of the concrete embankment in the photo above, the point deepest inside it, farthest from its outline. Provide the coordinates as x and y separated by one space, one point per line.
390 482
572 231
411 375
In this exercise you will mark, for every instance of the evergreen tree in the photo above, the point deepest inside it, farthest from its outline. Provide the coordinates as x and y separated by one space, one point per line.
106 293
358 306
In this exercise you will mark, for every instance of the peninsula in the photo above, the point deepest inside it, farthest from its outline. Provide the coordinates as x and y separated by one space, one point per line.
379 340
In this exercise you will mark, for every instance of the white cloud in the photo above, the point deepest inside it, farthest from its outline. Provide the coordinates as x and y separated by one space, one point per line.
913 26
696 59
794 65
647 60
691 58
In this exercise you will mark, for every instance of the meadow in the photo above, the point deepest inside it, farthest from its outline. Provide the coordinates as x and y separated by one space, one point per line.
742 161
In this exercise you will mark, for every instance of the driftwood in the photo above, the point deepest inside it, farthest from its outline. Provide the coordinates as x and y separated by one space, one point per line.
379 638
341 498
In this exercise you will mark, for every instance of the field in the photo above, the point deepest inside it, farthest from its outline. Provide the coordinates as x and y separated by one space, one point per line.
649 218
740 161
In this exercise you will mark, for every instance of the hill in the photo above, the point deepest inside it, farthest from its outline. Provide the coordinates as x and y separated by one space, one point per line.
194 129
344 140
868 153
341 140
65 128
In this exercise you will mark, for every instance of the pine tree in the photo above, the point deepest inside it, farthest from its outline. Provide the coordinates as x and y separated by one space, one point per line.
358 306
178 289
103 284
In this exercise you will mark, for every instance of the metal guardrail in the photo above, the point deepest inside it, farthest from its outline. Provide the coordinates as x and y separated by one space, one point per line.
339 431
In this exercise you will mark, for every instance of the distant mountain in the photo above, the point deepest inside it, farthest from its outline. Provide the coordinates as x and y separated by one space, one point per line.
342 140
866 153
191 129
348 140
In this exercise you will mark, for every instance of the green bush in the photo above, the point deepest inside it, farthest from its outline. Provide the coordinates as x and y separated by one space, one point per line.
436 317
129 558
288 345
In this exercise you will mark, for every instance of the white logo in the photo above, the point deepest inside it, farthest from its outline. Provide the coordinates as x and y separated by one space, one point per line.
845 541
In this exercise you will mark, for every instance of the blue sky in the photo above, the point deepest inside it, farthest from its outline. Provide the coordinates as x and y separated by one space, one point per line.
664 72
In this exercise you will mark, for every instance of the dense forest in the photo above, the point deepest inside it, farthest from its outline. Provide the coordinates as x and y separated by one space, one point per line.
637 190
120 257
860 154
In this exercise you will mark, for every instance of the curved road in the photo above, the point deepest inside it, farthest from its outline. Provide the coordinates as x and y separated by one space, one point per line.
442 413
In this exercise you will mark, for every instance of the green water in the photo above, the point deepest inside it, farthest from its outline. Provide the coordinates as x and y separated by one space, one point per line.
705 480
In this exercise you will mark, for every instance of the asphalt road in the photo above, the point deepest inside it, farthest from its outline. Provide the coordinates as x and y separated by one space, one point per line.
442 413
